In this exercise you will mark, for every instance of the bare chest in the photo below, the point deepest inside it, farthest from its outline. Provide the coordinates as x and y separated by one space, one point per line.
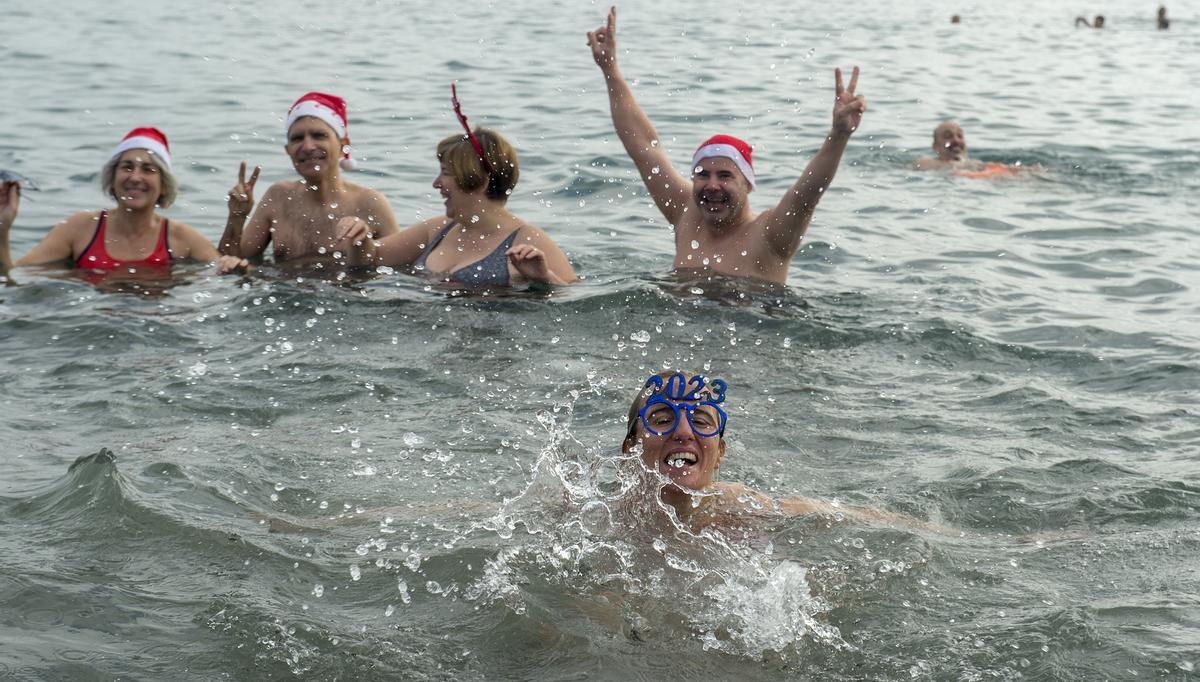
737 254
303 228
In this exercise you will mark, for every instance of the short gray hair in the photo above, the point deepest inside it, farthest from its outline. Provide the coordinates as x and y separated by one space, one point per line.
170 186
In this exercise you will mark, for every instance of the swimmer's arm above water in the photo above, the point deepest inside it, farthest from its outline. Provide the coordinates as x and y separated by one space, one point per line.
240 200
397 250
253 241
55 247
788 221
10 204
670 189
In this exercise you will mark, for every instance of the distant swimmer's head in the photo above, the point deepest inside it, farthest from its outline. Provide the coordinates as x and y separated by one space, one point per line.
950 142
317 130
955 19
495 164
722 177
1098 22
678 420
139 170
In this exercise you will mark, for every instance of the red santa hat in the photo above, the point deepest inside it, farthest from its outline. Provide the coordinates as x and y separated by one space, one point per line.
150 139
328 108
729 147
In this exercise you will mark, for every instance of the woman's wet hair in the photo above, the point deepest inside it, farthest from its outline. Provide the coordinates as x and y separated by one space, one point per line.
459 157
169 187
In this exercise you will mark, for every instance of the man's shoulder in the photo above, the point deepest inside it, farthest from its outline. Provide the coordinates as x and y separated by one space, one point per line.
359 192
284 188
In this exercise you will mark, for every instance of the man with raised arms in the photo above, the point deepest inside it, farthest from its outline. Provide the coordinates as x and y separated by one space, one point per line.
715 229
307 219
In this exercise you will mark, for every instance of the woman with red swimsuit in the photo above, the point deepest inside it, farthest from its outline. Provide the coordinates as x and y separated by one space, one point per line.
131 237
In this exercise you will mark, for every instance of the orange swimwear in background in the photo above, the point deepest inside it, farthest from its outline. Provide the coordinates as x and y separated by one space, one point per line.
95 256
991 169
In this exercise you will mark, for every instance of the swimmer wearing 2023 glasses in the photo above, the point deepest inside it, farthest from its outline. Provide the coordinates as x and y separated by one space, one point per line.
679 423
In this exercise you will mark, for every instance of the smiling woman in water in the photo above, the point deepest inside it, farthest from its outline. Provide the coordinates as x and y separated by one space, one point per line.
133 237
477 242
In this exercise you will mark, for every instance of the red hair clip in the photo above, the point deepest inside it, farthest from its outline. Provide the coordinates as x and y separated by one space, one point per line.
487 167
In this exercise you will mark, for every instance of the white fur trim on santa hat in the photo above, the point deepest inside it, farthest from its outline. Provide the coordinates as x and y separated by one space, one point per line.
147 143
318 111
725 151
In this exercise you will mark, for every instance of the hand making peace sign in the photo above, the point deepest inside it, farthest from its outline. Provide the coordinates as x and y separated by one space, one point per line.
241 197
848 107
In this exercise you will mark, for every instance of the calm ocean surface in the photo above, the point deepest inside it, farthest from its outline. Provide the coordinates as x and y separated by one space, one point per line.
1018 359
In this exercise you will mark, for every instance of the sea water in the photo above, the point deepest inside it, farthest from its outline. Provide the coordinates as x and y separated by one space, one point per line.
287 476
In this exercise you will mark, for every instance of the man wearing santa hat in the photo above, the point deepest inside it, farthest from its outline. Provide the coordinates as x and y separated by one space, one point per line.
307 219
715 230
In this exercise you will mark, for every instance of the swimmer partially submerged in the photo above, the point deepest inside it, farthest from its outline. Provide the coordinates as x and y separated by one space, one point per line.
952 154
677 422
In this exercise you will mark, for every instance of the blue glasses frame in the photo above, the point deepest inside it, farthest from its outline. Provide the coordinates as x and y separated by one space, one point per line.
689 410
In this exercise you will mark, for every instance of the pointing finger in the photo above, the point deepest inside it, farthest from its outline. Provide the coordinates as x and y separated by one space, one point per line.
853 80
612 20
837 79
253 178
242 173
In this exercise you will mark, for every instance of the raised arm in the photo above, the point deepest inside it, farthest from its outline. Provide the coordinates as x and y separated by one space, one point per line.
10 205
240 200
257 235
666 185
788 221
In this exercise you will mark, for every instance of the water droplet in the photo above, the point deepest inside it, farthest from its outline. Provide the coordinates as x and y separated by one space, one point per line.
318 590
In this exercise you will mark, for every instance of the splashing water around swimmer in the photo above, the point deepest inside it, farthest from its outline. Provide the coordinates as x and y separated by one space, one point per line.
592 525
